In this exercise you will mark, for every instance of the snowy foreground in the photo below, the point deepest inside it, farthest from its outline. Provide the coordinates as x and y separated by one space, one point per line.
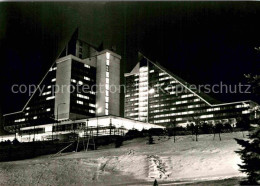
135 163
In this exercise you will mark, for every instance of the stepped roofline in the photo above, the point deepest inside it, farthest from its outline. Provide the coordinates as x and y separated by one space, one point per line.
205 97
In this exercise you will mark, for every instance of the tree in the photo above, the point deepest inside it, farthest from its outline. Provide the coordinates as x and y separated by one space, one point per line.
155 183
218 129
250 152
150 140
171 129
250 155
190 127
118 142
206 128
196 121
243 124
15 141
228 127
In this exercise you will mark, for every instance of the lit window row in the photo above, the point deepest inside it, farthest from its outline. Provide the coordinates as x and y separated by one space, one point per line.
213 109
245 112
193 106
162 73
79 102
107 83
181 102
92 105
207 116
244 105
46 93
165 78
162 121
92 111
187 95
82 96
87 66
80 82
133 114
54 68
19 120
51 97
172 82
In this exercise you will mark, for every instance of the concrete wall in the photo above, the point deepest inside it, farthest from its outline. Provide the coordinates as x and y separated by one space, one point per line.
63 76
100 82
114 80
114 83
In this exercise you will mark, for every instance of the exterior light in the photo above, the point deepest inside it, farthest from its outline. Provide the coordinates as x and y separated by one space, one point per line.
151 91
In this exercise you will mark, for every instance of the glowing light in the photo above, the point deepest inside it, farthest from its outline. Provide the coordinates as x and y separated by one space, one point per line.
151 91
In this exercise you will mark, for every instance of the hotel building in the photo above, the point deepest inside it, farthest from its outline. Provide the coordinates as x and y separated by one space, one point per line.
155 95
76 88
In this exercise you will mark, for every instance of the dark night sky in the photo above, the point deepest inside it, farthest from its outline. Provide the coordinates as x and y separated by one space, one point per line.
202 42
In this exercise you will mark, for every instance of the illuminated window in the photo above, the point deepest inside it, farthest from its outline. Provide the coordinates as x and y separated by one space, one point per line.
54 79
87 66
92 111
51 97
20 120
73 81
27 114
48 109
82 96
86 78
245 112
46 93
107 80
106 105
79 102
80 82
106 112
28 108
107 74
49 86
92 105
35 117
107 55
107 62
107 99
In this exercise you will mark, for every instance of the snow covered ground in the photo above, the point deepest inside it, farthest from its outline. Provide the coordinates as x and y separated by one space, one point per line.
134 163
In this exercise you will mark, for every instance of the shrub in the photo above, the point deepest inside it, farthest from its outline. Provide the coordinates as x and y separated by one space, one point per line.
118 142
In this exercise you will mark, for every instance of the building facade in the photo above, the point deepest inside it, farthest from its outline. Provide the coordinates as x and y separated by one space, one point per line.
77 86
155 95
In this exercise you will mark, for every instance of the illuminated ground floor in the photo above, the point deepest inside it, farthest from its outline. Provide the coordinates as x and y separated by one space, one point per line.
98 126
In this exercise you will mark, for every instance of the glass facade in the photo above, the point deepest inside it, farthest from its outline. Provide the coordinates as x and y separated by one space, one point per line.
40 107
155 95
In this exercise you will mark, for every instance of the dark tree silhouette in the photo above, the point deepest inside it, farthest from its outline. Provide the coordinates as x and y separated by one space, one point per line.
250 152
250 155
218 129
150 140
